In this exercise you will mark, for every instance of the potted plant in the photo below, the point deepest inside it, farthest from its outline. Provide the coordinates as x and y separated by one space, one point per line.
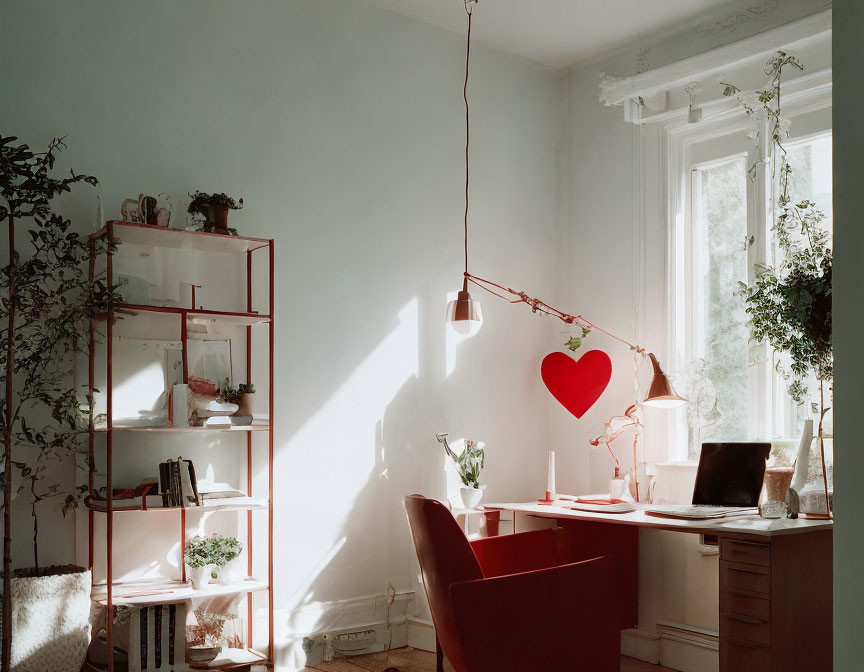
468 465
45 322
225 552
205 556
789 303
214 208
196 554
240 395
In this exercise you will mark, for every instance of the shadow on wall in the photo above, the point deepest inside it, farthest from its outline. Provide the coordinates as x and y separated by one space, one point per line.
370 444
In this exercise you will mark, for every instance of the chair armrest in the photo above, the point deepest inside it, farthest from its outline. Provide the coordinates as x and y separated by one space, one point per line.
516 553
561 619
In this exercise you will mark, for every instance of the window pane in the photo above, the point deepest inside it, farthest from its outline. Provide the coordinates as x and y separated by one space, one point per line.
811 174
721 340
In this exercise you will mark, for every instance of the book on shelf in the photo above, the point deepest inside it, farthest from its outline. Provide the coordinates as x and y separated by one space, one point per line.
178 484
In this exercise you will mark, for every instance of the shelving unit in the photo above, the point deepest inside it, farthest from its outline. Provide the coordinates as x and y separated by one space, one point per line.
111 594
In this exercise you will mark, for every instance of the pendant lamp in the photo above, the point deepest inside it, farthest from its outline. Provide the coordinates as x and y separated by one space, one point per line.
463 313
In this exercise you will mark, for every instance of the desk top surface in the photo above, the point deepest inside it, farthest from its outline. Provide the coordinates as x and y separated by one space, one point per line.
753 525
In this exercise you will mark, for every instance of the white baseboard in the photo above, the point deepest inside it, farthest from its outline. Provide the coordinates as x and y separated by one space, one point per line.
310 630
688 648
641 645
421 634
677 646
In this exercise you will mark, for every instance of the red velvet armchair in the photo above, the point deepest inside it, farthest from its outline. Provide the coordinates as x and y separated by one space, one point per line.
514 603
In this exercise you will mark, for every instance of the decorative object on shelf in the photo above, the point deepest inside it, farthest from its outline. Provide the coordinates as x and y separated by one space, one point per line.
790 303
206 555
215 624
550 479
146 488
226 551
202 654
777 481
241 395
177 483
576 384
463 313
150 210
214 209
46 316
179 405
468 465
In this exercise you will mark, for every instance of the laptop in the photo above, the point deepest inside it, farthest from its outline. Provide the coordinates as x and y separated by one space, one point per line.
728 482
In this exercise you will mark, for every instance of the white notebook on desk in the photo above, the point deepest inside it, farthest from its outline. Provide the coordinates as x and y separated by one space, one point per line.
699 511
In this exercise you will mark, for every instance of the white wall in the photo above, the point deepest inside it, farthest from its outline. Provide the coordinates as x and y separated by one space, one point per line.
342 128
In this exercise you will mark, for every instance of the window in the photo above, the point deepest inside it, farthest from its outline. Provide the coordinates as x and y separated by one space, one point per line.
721 218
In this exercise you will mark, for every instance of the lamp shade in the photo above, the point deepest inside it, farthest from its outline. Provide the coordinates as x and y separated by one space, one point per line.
660 393
463 313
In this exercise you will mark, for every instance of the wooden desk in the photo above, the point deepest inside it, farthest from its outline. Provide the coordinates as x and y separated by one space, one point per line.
775 580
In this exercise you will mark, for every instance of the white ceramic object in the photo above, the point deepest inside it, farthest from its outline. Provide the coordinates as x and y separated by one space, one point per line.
50 622
471 497
616 488
202 654
233 572
199 576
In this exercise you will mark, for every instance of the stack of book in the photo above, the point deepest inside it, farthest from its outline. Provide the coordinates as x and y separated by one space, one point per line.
178 485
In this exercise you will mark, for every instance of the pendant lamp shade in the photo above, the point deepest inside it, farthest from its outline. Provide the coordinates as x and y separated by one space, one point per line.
660 393
463 313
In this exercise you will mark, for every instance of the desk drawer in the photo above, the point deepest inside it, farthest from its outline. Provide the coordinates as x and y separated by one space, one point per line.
739 656
746 552
744 579
748 628
744 605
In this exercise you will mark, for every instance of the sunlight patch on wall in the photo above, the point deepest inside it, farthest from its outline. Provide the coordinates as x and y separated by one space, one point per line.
339 449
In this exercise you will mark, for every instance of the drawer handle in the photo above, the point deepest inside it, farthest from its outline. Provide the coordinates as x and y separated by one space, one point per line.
745 619
747 645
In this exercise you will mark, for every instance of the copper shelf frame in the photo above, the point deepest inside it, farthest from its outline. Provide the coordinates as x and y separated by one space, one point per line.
251 245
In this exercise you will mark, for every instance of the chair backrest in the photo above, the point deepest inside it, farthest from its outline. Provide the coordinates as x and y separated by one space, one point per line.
445 558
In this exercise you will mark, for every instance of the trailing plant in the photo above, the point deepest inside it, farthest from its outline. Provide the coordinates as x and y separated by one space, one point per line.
789 302
468 463
202 201
227 394
47 302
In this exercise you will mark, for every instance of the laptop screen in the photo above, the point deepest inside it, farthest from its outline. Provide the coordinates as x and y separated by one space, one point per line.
731 474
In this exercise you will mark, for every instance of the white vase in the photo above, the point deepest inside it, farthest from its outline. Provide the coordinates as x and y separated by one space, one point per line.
50 622
233 572
200 576
471 497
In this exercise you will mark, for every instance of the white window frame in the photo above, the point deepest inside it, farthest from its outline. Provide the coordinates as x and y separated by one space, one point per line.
678 140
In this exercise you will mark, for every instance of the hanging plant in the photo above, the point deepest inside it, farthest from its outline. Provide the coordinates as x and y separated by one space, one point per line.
789 302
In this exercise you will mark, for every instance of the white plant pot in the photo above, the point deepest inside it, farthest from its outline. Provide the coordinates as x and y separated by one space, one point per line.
233 572
471 496
50 622
200 576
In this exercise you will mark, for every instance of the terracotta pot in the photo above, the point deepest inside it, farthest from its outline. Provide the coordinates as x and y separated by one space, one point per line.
244 404
217 217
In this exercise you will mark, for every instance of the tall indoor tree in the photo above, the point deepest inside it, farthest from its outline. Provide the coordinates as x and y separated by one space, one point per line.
47 302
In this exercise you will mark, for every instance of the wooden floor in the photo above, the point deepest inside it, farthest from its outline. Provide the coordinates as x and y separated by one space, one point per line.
415 660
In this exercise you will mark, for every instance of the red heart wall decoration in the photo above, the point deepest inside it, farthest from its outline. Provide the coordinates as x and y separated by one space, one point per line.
576 383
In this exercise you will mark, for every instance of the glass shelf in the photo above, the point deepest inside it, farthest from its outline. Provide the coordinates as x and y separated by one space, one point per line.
135 233
174 428
193 315
151 593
